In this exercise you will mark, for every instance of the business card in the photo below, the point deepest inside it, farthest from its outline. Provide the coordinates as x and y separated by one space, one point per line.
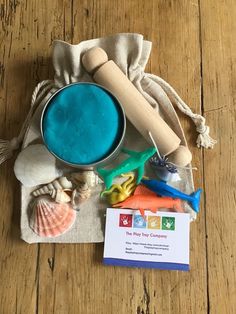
158 240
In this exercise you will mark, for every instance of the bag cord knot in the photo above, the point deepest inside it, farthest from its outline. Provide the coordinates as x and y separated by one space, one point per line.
203 139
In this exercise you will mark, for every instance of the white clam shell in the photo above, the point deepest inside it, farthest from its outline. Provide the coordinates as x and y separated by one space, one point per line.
35 165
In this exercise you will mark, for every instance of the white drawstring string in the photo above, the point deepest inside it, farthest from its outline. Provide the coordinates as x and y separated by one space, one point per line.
204 138
7 147
166 160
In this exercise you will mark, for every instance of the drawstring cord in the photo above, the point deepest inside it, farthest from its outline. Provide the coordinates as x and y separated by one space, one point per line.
165 159
204 138
7 147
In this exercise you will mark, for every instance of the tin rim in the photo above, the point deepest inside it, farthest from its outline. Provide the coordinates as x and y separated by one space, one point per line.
105 160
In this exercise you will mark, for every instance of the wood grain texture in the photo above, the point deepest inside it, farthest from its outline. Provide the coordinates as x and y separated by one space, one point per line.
219 103
194 50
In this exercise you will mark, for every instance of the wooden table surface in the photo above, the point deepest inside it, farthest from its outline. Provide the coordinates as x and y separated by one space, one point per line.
194 49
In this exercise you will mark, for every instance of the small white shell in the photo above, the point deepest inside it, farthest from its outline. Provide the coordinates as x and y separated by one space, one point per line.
35 165
60 196
61 183
85 176
80 194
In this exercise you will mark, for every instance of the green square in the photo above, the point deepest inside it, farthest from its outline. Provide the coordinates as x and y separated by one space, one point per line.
168 223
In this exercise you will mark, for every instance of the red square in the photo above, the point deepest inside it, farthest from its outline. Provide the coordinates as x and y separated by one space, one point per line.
125 220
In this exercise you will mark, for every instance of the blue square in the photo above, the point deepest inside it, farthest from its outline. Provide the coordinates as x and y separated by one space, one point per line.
139 222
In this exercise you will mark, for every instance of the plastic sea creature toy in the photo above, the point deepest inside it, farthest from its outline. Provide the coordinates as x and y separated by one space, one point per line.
144 199
163 189
120 192
136 160
51 219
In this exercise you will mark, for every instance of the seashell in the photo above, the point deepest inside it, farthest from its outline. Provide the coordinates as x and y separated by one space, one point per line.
51 219
85 176
80 194
35 165
56 189
60 196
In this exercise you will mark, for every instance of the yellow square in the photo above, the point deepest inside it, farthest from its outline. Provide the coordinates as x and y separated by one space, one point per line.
154 222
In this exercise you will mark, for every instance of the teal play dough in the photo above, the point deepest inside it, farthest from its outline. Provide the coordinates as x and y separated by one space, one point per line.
82 124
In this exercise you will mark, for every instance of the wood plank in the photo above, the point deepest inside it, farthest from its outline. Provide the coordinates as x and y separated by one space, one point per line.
219 56
18 283
72 278
177 50
27 30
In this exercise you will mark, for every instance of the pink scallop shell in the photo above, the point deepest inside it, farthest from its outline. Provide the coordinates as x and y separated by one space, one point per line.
51 219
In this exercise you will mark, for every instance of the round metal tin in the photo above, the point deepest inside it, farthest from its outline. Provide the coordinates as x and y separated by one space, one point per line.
103 161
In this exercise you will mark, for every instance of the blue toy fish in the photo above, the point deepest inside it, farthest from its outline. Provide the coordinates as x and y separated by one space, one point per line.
163 189
135 161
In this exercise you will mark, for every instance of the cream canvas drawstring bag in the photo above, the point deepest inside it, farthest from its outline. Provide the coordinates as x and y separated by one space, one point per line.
130 52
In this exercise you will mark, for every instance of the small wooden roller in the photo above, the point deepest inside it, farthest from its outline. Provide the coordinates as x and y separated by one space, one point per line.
137 109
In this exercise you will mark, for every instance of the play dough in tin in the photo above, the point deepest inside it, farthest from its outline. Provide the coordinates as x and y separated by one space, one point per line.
82 124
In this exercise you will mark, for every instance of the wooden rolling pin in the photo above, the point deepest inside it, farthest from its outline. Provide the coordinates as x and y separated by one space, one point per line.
137 109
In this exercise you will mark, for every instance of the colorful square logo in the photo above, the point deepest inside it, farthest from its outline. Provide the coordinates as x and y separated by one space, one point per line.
139 221
125 220
168 223
154 222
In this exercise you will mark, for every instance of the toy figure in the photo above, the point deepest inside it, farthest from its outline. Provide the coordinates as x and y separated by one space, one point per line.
135 161
163 189
120 192
146 199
